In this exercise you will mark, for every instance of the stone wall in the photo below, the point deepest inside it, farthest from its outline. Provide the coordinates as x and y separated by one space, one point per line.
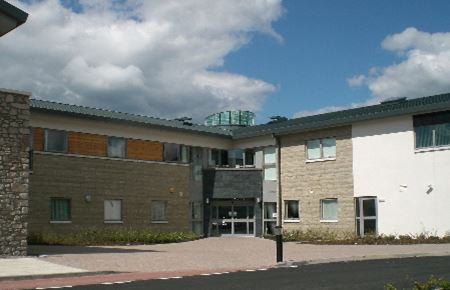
14 147
309 182
136 183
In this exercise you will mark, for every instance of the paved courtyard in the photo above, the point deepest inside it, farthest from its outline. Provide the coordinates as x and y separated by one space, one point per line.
217 253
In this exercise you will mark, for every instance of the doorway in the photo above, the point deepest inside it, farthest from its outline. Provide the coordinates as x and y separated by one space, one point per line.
366 216
232 218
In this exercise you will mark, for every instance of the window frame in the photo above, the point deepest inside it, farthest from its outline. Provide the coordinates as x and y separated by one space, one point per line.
287 219
322 219
270 165
125 153
55 221
269 220
108 221
321 158
431 120
66 137
166 215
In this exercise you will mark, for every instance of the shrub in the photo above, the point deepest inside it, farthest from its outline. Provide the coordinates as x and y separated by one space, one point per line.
95 236
432 283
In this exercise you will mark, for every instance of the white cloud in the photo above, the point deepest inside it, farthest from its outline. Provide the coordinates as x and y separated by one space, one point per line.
152 57
424 68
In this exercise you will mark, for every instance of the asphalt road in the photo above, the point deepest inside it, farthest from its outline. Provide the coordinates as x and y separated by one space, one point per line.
373 274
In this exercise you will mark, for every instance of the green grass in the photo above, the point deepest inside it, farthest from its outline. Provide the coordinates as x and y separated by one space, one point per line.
432 283
320 236
94 236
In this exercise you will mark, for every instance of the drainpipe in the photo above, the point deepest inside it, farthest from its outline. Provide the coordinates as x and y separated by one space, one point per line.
279 227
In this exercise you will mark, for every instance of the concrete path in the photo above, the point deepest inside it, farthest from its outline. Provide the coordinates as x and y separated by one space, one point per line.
219 253
17 267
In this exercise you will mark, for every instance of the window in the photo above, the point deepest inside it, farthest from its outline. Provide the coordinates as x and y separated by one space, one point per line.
60 210
218 158
197 221
55 141
113 211
236 157
249 157
432 130
328 208
176 153
159 211
117 147
270 215
291 210
321 149
270 169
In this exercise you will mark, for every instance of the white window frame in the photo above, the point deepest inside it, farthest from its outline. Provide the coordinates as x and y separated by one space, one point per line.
112 221
322 219
286 211
321 158
162 221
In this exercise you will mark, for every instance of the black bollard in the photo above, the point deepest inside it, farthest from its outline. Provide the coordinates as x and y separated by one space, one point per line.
279 241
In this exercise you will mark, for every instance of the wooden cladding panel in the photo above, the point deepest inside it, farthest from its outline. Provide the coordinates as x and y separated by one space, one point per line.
87 144
145 150
38 139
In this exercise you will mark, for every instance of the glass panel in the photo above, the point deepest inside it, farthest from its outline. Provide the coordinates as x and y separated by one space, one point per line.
369 207
269 155
269 209
225 212
225 228
251 213
171 152
424 136
249 157
198 173
159 210
214 157
116 147
357 206
370 227
240 228
270 173
236 157
251 228
329 209
442 134
196 210
329 147
185 154
60 209
240 212
113 210
269 228
313 149
358 228
292 211
56 141
197 228
214 212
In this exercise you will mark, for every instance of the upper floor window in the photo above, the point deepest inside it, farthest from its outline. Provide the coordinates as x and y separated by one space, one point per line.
55 140
117 147
177 153
270 168
218 157
432 130
321 148
60 210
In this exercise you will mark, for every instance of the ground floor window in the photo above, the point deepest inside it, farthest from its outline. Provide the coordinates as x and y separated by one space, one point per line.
291 210
366 216
329 209
159 211
60 210
112 210
197 220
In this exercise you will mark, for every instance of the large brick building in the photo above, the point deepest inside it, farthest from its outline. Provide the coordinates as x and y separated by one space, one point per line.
98 168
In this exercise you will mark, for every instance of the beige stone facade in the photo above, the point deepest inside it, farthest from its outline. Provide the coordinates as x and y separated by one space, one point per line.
136 183
309 182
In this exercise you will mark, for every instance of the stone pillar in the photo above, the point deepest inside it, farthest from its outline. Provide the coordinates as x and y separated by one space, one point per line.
14 148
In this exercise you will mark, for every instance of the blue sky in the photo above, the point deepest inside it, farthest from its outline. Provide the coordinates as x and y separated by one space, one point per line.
326 42
177 58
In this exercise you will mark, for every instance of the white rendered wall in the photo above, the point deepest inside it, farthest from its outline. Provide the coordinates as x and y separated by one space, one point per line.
386 165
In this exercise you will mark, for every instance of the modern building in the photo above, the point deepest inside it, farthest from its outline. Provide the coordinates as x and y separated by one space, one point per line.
380 169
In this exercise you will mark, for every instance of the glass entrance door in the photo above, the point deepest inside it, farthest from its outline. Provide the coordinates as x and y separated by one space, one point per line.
232 219
366 216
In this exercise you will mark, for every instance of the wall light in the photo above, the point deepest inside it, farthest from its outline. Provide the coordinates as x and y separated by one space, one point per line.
207 200
429 189
87 197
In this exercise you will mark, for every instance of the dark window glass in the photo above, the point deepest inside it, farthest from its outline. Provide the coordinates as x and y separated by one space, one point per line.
292 209
370 227
159 210
60 209
55 141
369 207
171 152
116 147
432 129
249 157
236 157
270 208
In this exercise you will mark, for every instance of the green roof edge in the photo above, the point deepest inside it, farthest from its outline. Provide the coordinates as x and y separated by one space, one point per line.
19 15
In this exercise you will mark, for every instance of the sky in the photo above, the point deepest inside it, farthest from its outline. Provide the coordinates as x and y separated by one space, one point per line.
168 58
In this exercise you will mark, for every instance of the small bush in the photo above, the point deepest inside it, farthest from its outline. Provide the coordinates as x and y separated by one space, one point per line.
432 283
94 236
